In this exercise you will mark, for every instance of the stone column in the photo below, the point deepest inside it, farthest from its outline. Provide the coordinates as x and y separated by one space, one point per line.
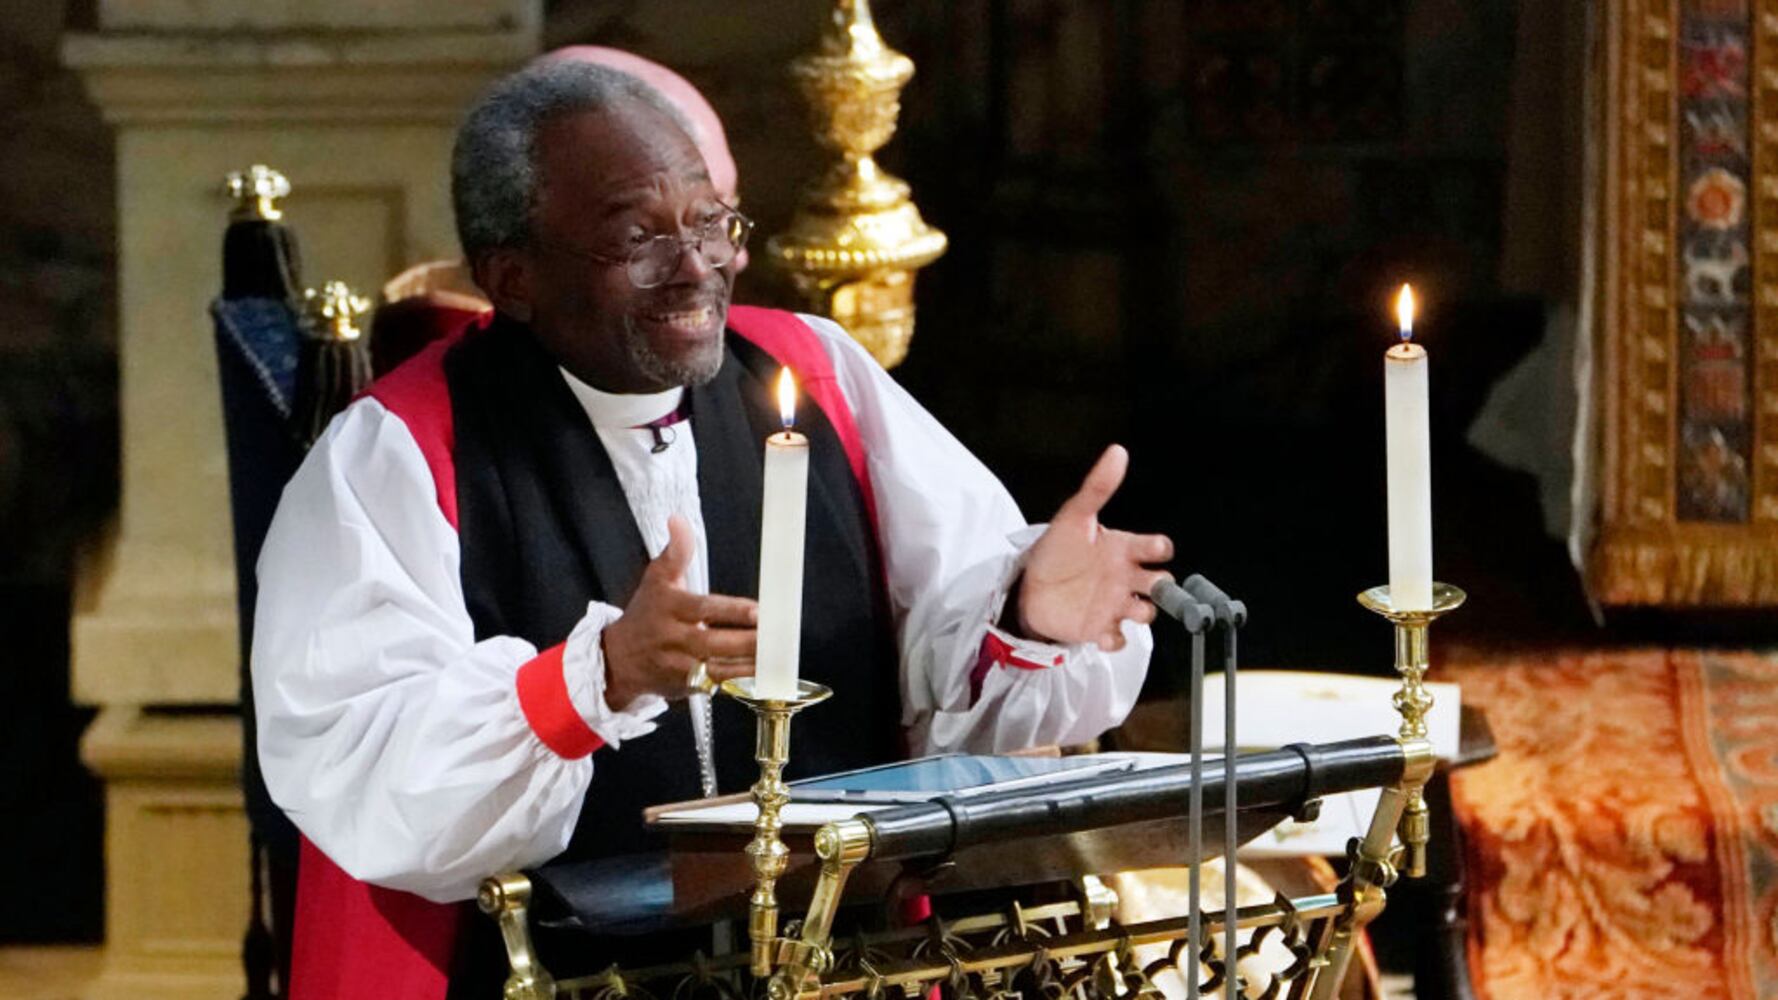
355 101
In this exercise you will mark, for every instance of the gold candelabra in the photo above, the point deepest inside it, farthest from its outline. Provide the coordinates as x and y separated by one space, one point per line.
853 247
1413 701
767 850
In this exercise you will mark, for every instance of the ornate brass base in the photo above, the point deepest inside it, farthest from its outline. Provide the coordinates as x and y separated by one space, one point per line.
1413 701
767 850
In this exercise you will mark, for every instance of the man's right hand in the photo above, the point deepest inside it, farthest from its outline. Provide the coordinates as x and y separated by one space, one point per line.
665 631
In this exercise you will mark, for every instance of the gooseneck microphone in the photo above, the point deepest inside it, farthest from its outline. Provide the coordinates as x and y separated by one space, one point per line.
1197 618
1200 605
1192 612
1228 611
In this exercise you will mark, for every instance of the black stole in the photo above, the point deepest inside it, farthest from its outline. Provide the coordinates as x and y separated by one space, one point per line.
545 528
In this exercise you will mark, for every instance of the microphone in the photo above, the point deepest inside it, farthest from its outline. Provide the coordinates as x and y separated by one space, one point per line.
1228 610
1181 606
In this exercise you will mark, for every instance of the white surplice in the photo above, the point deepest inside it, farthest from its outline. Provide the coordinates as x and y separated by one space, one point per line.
395 740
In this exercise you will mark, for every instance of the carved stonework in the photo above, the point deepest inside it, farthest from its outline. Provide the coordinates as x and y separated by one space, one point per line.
1689 304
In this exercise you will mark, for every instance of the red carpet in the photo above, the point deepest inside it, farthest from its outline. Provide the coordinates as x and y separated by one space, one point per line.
1625 842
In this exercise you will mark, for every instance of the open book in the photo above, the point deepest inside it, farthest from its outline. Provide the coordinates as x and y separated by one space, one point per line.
1279 707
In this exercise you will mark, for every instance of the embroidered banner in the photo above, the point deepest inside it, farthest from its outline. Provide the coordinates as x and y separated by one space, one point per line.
1715 428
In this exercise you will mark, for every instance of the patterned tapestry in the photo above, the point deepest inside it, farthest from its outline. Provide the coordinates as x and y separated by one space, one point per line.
1625 842
1686 348
1714 249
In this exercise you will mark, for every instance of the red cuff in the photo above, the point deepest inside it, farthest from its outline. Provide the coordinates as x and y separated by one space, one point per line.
996 651
543 696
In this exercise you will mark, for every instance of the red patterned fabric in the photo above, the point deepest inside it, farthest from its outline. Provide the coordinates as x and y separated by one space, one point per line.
1625 842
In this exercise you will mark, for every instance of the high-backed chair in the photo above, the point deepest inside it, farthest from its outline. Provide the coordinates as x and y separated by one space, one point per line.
283 374
424 303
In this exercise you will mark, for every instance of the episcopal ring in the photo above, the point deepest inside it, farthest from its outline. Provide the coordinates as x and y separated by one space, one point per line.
699 682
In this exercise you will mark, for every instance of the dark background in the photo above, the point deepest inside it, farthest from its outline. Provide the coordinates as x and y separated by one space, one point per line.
1174 223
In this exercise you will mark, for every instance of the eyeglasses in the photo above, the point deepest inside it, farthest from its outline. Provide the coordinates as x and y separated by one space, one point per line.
655 260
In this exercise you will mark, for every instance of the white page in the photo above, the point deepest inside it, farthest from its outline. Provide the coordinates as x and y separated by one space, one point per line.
1279 707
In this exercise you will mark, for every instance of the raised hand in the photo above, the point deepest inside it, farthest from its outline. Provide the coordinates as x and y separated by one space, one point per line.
1082 578
666 630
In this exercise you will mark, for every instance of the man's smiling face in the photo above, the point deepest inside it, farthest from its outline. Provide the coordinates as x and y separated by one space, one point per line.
607 181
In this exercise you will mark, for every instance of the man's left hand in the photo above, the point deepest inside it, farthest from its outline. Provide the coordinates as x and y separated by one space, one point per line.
1081 578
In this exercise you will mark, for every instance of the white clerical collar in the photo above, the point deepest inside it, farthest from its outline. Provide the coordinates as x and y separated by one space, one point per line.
611 410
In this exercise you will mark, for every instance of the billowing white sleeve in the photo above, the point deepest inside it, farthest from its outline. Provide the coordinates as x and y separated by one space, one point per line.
395 741
953 543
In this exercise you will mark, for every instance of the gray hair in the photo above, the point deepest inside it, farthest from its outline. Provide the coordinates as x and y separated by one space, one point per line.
494 162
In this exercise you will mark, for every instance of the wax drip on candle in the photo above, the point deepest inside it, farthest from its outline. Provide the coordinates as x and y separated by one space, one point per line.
1404 312
787 399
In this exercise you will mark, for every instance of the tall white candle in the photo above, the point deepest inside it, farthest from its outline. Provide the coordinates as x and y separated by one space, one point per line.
784 513
1410 465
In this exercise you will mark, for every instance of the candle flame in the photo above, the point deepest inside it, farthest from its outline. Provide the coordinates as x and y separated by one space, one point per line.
1404 312
787 398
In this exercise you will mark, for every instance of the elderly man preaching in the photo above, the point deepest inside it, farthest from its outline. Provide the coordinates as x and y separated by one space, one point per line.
486 589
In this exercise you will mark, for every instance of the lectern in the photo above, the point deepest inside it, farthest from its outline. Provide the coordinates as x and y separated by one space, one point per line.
844 872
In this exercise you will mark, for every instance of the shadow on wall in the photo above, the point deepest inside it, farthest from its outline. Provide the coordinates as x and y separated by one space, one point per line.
58 465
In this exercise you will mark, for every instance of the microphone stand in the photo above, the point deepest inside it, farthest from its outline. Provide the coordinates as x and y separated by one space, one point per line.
1230 615
1197 619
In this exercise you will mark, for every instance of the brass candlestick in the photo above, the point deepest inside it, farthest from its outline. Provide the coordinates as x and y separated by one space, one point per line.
769 793
1413 701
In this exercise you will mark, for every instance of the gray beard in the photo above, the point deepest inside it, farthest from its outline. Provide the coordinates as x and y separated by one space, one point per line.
694 371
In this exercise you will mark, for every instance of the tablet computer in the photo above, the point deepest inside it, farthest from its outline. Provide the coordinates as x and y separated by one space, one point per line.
948 774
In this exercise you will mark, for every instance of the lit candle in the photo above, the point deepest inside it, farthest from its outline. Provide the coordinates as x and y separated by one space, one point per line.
783 511
1410 465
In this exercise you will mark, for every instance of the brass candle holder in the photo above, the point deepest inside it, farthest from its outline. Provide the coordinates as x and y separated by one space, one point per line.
1413 701
767 850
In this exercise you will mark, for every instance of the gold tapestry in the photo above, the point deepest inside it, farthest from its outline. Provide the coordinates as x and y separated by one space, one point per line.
1687 304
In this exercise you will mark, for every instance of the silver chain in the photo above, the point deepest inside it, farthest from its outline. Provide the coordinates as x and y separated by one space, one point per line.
702 738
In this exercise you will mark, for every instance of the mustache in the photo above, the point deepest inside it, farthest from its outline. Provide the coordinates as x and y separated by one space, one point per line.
711 291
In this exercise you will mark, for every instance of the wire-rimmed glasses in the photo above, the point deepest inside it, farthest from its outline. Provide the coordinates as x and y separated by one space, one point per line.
653 261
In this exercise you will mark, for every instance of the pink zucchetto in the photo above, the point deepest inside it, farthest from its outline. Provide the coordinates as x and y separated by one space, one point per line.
706 128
